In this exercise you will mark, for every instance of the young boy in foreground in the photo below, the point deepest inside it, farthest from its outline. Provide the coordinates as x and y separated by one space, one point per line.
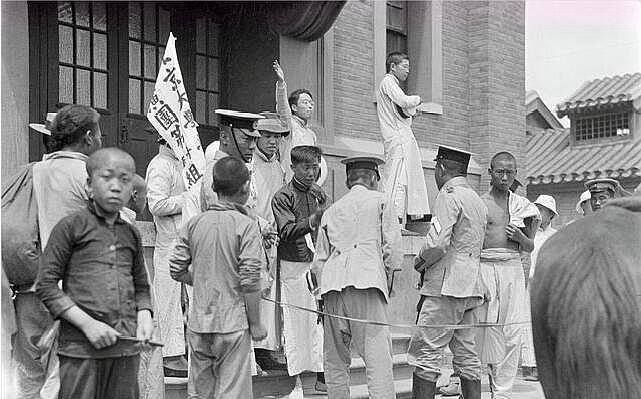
224 248
105 297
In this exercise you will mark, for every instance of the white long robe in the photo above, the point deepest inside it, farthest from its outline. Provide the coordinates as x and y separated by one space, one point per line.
166 197
403 169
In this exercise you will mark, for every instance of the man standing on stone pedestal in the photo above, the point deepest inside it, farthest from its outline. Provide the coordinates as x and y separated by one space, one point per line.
403 172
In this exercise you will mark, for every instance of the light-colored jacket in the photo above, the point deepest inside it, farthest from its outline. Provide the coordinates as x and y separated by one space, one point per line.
165 196
268 177
60 186
452 251
359 239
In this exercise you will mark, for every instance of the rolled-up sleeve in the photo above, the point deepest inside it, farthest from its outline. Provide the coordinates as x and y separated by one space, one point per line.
395 93
141 279
180 258
159 198
250 258
53 265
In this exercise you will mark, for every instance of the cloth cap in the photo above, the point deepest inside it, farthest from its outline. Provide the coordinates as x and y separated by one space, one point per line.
585 196
453 154
44 128
600 185
245 121
272 124
362 162
548 202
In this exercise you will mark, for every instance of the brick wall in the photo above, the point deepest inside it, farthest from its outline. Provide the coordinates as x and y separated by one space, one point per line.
483 79
354 110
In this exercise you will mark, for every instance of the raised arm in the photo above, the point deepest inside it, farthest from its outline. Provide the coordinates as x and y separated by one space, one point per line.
282 103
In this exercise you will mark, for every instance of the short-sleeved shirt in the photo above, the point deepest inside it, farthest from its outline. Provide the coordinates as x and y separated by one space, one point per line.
102 271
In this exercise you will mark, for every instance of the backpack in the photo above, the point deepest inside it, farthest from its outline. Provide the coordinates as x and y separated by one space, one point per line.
21 248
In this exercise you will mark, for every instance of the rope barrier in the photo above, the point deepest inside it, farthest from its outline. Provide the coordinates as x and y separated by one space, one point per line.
404 326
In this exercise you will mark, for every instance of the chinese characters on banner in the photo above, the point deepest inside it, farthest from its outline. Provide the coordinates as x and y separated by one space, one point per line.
170 114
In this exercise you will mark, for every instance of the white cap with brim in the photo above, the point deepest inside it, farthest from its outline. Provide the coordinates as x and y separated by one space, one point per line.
585 196
548 202
42 128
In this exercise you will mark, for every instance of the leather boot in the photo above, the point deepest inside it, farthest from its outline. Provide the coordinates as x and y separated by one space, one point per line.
422 389
470 389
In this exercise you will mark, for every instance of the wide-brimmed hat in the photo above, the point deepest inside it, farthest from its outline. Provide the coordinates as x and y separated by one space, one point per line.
548 202
44 128
585 196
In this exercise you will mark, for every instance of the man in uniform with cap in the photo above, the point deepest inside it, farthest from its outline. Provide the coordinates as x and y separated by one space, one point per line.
357 250
601 191
238 136
451 286
166 197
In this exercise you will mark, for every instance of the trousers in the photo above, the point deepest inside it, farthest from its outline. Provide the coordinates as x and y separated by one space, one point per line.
219 365
372 343
110 378
428 343
36 367
500 347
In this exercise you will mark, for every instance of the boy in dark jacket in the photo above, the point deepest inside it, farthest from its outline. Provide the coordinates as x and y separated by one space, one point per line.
298 208
104 305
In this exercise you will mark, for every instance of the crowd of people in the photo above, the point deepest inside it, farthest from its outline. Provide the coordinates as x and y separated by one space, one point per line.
258 231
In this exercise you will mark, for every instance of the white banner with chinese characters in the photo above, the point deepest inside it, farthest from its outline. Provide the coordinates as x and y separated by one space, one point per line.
170 114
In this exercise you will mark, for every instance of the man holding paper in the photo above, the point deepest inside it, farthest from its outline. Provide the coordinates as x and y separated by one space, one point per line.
451 288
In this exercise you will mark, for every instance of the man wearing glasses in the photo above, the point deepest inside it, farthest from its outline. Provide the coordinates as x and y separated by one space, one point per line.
403 172
511 225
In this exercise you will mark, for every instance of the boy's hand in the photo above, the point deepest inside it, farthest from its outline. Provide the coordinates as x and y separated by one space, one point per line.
100 334
514 233
258 332
145 325
280 75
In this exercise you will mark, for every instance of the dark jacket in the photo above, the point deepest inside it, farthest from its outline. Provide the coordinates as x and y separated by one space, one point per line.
293 204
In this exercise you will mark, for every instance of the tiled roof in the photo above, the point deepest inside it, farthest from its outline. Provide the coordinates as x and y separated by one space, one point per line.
599 92
534 103
551 159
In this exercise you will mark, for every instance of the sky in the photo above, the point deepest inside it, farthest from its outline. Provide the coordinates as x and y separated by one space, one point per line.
568 42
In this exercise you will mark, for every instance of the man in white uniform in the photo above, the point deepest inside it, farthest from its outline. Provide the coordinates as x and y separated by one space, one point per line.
358 248
403 172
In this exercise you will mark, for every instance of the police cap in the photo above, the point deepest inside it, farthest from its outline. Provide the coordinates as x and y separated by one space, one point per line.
603 184
362 162
453 154
245 121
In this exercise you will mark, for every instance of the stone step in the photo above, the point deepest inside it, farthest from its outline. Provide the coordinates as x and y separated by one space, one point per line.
274 383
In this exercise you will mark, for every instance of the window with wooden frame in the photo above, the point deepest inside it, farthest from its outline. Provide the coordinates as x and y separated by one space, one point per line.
149 26
396 31
207 71
591 128
82 53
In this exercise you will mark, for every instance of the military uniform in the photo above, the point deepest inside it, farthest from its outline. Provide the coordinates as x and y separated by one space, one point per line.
451 285
358 247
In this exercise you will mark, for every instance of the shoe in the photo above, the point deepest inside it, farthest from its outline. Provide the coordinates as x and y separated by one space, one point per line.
174 373
452 389
470 389
533 376
422 389
320 386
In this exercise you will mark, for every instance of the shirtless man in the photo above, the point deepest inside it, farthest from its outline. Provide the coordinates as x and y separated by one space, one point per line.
512 222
